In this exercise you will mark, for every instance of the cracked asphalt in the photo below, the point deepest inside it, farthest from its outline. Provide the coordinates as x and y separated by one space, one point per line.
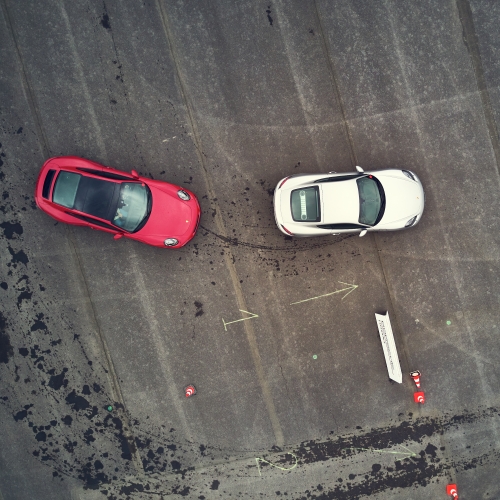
293 398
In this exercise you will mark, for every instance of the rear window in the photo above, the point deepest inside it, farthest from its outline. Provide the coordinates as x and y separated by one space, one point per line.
47 184
66 188
305 205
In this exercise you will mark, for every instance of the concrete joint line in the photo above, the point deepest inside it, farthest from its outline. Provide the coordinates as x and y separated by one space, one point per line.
472 44
28 89
250 333
335 85
116 392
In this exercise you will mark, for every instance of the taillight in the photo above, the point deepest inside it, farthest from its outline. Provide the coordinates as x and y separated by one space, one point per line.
283 182
286 230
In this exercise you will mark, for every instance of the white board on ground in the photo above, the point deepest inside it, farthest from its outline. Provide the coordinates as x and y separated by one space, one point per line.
389 346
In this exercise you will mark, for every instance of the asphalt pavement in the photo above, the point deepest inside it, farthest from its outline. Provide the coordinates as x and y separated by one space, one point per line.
293 397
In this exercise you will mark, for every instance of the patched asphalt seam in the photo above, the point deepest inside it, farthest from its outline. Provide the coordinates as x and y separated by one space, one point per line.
229 258
113 378
472 44
30 94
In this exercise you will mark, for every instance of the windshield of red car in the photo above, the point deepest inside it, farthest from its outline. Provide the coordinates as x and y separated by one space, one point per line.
133 206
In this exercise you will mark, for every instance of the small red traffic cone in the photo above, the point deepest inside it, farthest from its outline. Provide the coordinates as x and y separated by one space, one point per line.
415 375
189 391
419 397
451 489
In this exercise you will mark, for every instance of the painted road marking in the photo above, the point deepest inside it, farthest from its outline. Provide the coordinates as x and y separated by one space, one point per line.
277 466
252 315
349 290
407 453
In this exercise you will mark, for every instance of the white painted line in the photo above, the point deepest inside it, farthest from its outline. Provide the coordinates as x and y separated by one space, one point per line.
389 347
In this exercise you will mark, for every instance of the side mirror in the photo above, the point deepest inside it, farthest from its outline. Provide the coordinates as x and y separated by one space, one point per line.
135 175
117 236
362 233
359 169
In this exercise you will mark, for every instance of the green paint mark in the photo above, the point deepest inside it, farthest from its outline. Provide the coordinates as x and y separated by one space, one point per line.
109 408
315 356
448 322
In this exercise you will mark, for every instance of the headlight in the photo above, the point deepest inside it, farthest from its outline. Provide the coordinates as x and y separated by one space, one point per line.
183 195
411 221
408 174
170 242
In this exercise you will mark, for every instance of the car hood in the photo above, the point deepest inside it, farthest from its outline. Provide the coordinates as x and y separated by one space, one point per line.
170 216
404 199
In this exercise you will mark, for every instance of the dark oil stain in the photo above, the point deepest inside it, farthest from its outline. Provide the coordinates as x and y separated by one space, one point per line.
132 488
77 402
6 350
4 285
215 485
23 351
199 309
19 130
58 381
295 244
23 296
92 479
67 420
38 324
183 493
88 436
105 21
431 450
41 436
20 415
18 257
175 465
11 228
268 12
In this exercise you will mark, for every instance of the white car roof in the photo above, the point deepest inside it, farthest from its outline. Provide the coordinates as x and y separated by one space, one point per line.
340 202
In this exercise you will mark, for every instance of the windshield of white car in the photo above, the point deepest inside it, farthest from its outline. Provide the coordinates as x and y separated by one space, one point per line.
133 206
371 200
305 204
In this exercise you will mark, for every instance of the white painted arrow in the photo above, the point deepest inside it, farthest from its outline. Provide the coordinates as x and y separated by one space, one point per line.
252 315
350 288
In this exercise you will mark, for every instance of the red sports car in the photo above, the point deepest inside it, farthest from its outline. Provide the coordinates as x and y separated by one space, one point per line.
84 193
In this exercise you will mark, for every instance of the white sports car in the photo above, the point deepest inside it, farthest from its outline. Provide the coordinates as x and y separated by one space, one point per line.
320 204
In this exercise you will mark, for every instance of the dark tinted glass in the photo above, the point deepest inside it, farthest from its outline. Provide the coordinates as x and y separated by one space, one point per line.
94 197
133 206
370 201
305 205
47 183
66 189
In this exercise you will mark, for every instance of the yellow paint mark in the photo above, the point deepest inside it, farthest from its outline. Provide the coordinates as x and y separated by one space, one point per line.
252 315
277 466
349 290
